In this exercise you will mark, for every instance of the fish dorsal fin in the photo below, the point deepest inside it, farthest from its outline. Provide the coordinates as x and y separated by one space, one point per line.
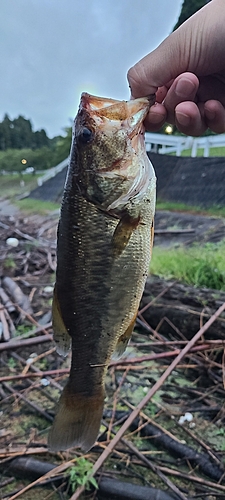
61 335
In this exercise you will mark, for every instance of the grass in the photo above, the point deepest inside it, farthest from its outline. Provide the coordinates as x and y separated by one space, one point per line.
220 151
198 266
181 207
32 206
16 184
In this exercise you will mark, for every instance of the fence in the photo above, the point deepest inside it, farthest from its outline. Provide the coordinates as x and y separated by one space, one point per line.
166 144
52 172
161 144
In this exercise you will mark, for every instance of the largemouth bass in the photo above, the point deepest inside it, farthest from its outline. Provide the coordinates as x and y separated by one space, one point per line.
105 238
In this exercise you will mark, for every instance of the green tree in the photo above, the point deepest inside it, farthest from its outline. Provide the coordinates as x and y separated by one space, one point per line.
63 145
21 133
189 7
39 159
5 133
18 134
40 139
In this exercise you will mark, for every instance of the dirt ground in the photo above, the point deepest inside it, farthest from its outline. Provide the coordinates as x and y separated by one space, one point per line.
177 443
177 228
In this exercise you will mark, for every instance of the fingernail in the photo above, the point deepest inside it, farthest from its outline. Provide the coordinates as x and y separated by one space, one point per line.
183 119
185 87
155 117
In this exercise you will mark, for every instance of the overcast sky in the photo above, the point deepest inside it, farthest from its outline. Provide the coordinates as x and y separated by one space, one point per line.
52 50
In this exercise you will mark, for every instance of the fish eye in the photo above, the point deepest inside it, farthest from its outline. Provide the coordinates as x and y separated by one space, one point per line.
85 135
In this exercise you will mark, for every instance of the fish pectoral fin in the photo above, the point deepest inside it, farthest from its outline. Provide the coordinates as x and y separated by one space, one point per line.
123 232
61 335
77 421
123 340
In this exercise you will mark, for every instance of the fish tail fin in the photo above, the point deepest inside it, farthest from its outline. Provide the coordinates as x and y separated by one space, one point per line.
77 421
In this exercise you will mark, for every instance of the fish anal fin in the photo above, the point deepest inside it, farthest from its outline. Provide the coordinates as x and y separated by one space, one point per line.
123 232
124 339
61 335
77 421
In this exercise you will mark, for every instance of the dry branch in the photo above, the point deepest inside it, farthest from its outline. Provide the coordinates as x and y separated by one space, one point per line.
16 294
184 306
34 406
21 376
149 395
17 344
33 469
179 449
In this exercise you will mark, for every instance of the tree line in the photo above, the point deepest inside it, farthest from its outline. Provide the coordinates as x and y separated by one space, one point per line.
18 133
22 147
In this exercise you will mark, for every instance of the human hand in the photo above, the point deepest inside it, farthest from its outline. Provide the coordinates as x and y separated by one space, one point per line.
187 72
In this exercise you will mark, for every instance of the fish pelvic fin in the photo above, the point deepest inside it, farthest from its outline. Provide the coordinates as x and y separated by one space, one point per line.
123 233
77 421
61 335
123 340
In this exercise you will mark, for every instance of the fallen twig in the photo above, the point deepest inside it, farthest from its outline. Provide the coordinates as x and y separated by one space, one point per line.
149 395
22 342
28 402
34 375
166 354
190 477
15 451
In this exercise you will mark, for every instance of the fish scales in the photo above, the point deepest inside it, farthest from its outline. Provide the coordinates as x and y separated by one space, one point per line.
103 254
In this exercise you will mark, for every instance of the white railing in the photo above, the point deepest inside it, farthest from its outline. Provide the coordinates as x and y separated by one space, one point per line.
207 142
52 172
166 144
162 144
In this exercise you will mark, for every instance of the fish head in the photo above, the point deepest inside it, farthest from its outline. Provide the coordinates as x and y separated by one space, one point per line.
109 147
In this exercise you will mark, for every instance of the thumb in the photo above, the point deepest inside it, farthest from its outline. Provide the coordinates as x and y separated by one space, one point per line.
157 68
181 51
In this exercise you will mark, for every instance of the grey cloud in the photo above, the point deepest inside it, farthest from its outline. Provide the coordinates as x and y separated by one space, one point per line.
52 50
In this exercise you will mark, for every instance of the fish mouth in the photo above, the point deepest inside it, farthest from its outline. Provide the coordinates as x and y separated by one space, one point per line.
119 123
132 112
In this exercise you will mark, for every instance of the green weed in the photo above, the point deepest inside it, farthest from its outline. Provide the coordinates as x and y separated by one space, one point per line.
24 330
11 363
197 266
80 474
9 263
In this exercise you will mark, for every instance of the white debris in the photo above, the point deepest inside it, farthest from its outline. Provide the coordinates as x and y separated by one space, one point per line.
30 360
187 417
45 382
48 289
12 242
